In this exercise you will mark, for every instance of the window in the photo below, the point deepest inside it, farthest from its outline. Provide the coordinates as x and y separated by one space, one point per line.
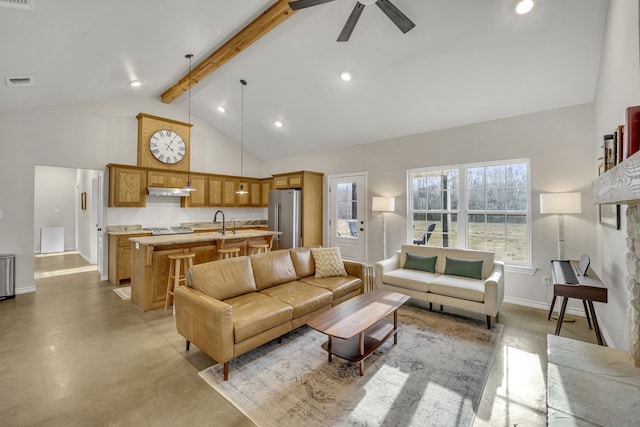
478 206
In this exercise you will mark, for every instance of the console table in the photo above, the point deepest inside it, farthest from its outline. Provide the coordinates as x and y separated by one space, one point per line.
589 289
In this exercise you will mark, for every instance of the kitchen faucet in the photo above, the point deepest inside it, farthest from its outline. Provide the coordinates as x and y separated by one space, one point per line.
215 219
234 225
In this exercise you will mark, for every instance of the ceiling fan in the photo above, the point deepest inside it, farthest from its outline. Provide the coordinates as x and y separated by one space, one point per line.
397 17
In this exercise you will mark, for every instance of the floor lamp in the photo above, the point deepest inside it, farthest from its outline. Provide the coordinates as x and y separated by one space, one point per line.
383 204
560 204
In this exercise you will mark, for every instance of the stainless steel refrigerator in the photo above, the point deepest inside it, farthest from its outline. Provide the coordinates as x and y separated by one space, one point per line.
285 215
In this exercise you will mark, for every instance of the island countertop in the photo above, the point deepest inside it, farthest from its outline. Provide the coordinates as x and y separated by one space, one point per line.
176 239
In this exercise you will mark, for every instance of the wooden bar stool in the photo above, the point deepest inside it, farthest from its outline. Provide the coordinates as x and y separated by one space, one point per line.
232 252
175 276
256 248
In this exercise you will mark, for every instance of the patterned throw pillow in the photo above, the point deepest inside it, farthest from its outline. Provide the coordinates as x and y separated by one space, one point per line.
328 262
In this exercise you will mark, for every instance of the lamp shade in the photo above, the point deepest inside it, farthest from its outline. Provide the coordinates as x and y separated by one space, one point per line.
560 203
383 204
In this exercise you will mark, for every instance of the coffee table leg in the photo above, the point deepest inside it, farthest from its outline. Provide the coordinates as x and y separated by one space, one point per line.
362 353
329 347
395 326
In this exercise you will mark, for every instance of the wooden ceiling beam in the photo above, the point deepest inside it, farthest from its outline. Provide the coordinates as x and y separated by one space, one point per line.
267 21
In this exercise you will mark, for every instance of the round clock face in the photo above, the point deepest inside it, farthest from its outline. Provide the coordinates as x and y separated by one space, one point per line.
167 146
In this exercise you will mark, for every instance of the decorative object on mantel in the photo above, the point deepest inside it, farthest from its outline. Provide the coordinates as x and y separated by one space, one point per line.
434 376
608 215
631 143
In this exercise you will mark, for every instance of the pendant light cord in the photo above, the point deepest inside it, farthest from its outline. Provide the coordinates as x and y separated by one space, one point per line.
243 83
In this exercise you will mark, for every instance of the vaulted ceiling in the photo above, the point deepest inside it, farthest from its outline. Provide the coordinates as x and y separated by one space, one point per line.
466 61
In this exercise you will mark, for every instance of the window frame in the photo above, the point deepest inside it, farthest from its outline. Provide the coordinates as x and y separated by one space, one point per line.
463 211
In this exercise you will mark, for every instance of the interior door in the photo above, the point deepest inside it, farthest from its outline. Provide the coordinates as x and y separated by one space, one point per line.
347 207
96 212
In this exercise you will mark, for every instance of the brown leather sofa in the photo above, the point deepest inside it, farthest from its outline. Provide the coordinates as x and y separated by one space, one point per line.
234 305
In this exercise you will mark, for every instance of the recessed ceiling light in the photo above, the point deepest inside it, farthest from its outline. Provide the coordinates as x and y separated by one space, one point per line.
278 124
346 76
135 83
523 6
222 109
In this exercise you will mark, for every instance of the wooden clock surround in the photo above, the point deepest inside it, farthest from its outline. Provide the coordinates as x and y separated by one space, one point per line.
147 125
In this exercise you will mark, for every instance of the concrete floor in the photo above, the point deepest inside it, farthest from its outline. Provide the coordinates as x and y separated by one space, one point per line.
75 354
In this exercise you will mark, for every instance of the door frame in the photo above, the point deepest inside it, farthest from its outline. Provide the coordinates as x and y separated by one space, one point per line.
362 198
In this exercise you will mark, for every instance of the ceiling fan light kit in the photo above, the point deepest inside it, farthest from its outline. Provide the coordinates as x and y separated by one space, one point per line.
397 17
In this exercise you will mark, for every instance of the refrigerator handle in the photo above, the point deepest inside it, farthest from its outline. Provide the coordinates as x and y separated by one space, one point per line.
277 221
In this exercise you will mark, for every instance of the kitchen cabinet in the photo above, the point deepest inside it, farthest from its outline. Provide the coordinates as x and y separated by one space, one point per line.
229 186
120 257
311 185
166 179
197 198
243 200
267 185
289 180
255 193
127 186
215 191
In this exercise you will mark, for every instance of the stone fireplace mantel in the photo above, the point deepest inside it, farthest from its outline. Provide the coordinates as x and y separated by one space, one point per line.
621 185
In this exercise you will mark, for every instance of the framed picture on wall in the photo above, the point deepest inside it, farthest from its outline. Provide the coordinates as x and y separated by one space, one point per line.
609 214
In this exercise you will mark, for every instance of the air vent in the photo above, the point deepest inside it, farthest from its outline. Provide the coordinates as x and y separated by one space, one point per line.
18 4
19 81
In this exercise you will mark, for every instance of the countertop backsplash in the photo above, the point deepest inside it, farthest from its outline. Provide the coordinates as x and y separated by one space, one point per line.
166 212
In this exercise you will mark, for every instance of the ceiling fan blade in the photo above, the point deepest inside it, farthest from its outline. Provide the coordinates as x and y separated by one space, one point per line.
301 4
351 23
398 18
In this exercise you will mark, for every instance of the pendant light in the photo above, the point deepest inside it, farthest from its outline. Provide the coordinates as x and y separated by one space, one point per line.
189 187
241 189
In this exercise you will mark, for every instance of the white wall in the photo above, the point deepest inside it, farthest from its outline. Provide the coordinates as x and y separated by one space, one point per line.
618 88
558 143
86 136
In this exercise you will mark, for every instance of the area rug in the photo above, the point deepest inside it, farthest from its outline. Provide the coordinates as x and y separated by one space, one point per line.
434 376
123 292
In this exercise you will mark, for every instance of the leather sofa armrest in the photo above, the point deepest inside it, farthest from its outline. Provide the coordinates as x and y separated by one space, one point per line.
494 289
354 269
205 321
386 265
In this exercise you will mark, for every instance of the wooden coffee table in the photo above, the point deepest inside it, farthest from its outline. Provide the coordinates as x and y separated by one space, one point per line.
360 325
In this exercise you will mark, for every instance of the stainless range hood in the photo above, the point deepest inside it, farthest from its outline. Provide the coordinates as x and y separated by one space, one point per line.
168 192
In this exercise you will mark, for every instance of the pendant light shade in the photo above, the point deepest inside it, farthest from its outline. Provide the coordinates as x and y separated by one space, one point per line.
189 187
241 189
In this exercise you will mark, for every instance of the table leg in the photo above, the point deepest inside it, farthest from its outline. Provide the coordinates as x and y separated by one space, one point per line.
586 312
362 353
595 323
561 317
553 303
395 326
329 347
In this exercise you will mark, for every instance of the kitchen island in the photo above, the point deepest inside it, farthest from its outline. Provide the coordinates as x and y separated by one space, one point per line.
150 259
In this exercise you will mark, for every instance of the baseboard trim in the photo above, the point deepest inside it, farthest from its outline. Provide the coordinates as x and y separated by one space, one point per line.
25 290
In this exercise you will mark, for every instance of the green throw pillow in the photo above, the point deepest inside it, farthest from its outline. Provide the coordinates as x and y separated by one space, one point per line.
419 262
464 267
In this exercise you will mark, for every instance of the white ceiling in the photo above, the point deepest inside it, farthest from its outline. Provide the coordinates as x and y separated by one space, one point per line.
466 61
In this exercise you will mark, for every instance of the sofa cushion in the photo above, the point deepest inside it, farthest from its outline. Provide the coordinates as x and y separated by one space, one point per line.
419 262
303 261
416 280
487 257
423 251
471 268
272 268
255 313
222 279
339 285
328 262
303 297
458 287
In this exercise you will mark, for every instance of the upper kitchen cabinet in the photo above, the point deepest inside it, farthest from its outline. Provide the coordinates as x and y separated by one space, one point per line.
255 193
215 191
229 196
127 186
199 197
289 180
157 178
266 186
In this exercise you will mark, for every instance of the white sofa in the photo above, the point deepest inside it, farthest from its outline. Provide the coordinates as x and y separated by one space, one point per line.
480 295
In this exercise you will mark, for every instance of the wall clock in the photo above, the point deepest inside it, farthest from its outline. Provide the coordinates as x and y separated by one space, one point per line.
163 143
